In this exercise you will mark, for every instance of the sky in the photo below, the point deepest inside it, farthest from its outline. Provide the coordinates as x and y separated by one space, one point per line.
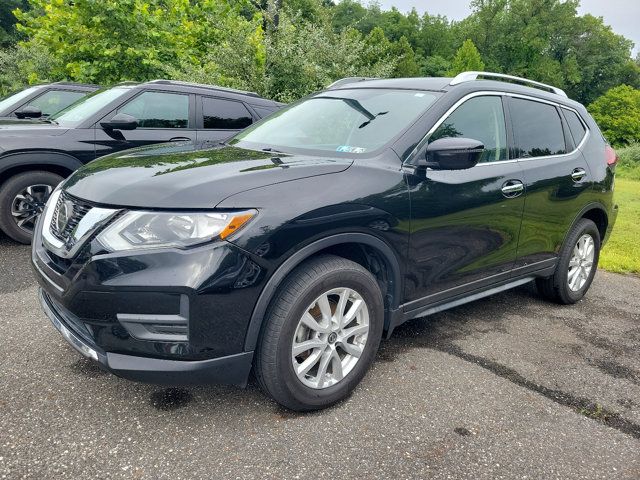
622 15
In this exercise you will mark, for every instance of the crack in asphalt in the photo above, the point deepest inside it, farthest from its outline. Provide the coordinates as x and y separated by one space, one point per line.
580 405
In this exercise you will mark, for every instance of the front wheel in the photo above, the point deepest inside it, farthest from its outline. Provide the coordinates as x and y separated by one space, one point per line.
577 265
22 199
321 334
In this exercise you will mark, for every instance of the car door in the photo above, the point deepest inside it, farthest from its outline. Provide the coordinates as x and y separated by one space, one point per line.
465 223
220 118
556 179
162 117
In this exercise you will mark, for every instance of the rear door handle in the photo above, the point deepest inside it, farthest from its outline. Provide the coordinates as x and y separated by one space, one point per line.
512 188
578 174
180 139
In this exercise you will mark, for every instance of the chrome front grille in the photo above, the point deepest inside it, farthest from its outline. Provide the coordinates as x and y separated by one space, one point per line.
73 210
69 222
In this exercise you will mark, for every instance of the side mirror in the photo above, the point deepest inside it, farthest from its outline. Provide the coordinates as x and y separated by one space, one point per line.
452 154
29 112
120 121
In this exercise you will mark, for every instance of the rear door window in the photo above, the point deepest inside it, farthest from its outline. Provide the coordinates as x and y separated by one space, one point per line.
537 129
222 114
576 127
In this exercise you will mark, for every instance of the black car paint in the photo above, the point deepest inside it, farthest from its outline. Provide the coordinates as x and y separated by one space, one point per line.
24 144
431 237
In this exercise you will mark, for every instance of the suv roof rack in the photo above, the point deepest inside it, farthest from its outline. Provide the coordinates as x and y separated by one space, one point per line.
344 81
471 76
203 85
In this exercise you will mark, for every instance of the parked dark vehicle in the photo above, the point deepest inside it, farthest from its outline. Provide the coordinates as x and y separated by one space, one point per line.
34 158
42 101
297 246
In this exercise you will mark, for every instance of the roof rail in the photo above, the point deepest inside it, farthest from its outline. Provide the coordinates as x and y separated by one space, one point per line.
470 76
203 85
344 81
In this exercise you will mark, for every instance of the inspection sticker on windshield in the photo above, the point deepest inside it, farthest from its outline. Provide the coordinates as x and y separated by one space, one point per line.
348 149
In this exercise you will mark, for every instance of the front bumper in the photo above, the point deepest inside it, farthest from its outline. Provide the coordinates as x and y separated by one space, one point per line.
232 369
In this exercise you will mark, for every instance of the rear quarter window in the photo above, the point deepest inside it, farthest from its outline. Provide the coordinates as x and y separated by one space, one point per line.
576 126
537 129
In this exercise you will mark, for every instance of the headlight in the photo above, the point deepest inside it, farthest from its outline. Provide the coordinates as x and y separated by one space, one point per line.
136 230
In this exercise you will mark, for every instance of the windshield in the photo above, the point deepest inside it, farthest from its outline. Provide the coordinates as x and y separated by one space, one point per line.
354 121
16 97
75 114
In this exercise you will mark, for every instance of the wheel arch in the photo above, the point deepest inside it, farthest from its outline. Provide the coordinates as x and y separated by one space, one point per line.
55 162
597 213
365 249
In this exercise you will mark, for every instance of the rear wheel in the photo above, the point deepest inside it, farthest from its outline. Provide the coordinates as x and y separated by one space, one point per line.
577 265
22 199
321 334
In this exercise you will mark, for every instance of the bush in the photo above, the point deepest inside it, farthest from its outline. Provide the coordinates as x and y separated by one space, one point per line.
629 162
618 115
25 65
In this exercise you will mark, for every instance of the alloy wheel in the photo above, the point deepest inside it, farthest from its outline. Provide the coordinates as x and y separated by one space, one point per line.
581 262
330 338
29 204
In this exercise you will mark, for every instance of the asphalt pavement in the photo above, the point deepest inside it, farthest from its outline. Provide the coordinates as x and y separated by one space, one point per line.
507 387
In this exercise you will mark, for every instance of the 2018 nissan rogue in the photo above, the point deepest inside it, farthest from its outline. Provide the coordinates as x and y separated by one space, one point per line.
294 248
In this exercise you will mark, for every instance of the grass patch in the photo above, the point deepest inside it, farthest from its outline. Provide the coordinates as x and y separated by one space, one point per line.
622 252
629 162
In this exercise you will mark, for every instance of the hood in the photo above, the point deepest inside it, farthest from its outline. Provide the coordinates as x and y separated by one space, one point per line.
189 175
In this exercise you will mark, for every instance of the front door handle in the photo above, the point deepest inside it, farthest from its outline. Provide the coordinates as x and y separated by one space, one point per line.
512 188
578 174
180 139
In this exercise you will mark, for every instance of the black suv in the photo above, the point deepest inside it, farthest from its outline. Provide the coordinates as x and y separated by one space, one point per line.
43 100
296 246
34 158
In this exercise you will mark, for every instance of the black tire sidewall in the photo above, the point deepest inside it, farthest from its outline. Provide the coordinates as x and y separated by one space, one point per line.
582 227
10 188
369 290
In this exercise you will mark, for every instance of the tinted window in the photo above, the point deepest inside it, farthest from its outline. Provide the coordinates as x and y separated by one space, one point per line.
349 121
575 126
55 100
264 111
159 110
481 118
225 114
537 128
77 113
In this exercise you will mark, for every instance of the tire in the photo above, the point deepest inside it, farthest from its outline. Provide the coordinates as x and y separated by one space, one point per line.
557 288
43 183
274 360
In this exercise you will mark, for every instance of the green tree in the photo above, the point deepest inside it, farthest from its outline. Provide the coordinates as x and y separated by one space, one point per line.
108 41
467 58
26 64
8 34
618 115
407 64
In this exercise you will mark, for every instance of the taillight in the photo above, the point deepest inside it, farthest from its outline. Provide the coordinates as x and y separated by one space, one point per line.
610 155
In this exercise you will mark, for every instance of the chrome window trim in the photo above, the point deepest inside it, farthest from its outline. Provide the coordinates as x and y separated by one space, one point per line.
581 120
483 93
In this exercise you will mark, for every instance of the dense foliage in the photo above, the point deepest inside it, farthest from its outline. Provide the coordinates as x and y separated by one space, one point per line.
618 114
285 49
